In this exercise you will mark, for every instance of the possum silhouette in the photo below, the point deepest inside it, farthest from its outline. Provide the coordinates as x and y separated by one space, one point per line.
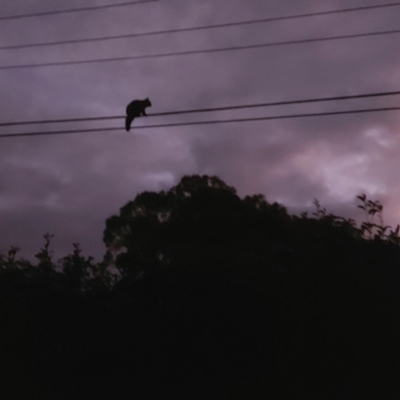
136 108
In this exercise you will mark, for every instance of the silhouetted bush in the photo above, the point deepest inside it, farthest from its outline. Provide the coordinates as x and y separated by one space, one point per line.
212 296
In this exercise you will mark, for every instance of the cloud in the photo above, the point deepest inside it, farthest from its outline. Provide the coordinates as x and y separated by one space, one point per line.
69 185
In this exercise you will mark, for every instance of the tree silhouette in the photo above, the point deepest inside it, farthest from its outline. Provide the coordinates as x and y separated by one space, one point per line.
218 297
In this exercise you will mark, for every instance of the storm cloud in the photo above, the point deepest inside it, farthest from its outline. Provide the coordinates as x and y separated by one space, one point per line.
68 185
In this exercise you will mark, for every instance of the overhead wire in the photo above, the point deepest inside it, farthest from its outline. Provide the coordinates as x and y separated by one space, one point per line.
198 28
204 51
74 10
194 123
211 109
189 52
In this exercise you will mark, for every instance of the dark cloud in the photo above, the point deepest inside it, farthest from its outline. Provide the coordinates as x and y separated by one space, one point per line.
69 185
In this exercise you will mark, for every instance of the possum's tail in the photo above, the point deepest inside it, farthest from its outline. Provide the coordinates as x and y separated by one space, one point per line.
128 121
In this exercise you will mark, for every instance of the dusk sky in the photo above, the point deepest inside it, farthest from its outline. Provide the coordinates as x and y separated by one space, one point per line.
68 185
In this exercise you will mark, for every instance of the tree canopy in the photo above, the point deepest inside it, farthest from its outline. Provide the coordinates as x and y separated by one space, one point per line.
202 293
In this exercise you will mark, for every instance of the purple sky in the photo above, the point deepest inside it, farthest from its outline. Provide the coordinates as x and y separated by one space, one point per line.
68 185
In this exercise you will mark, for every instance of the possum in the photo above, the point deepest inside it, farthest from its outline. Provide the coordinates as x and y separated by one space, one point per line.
136 108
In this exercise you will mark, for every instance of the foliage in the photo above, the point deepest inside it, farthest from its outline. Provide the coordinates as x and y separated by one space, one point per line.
216 296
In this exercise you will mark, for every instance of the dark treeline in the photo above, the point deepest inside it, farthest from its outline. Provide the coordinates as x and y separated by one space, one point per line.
203 294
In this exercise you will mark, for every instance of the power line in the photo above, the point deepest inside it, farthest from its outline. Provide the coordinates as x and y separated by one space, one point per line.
74 10
197 28
202 110
209 122
204 51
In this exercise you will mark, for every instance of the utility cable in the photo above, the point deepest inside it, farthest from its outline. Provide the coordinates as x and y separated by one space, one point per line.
196 28
194 123
74 10
202 110
204 51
